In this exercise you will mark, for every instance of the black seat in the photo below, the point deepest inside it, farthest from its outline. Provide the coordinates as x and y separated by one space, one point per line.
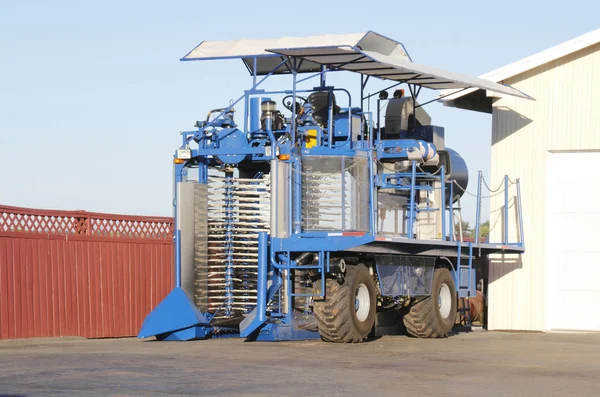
320 102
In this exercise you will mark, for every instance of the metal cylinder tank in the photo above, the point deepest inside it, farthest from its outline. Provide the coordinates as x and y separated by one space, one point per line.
457 170
254 114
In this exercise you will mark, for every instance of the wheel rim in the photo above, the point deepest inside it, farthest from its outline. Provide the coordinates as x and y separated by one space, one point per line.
362 302
444 301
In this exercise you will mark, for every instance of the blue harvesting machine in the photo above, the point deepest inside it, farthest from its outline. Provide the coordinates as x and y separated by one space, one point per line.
303 219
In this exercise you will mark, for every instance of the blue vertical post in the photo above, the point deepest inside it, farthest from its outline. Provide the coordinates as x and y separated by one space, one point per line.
178 179
323 70
324 262
330 121
457 273
378 120
291 196
246 112
372 203
451 215
478 209
261 298
343 197
472 283
293 127
202 172
202 165
522 237
411 201
505 209
443 206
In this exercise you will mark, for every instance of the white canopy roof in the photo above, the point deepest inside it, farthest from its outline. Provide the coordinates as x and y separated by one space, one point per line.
367 53
248 49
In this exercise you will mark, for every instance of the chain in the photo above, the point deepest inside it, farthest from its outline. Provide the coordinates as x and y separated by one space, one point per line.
474 195
510 182
488 188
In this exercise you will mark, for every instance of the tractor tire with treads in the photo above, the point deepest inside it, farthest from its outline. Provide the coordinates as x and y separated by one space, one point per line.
433 316
347 312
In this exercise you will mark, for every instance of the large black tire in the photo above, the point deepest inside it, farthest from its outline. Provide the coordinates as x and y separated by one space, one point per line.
342 316
425 318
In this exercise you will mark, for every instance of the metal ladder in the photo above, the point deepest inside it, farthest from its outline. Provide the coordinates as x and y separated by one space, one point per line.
457 214
464 311
464 267
464 308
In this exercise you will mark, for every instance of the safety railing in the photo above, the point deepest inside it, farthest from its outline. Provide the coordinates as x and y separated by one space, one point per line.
501 214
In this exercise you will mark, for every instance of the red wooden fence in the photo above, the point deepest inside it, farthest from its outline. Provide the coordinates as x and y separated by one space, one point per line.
77 273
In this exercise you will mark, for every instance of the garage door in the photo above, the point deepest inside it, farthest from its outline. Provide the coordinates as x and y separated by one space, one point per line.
573 241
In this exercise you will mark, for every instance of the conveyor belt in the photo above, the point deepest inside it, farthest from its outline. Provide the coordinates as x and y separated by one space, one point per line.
237 210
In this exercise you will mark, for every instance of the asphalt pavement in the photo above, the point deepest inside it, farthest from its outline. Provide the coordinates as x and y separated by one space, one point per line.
466 364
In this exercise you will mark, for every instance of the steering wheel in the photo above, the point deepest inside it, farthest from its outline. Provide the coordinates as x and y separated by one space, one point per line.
288 104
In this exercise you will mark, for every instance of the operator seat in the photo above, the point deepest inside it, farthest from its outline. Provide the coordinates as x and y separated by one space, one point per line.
320 102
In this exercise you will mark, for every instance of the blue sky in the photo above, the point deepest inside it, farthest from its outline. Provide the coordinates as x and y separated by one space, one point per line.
92 94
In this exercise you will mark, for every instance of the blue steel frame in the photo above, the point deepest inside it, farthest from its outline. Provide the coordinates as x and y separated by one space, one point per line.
275 254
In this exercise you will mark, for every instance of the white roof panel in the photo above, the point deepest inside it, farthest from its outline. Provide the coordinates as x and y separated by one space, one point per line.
258 47
391 67
248 49
367 53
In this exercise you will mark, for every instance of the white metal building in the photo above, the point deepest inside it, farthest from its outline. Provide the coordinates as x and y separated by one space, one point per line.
553 145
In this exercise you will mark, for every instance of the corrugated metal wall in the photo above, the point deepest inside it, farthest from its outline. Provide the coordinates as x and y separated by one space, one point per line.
564 116
66 273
